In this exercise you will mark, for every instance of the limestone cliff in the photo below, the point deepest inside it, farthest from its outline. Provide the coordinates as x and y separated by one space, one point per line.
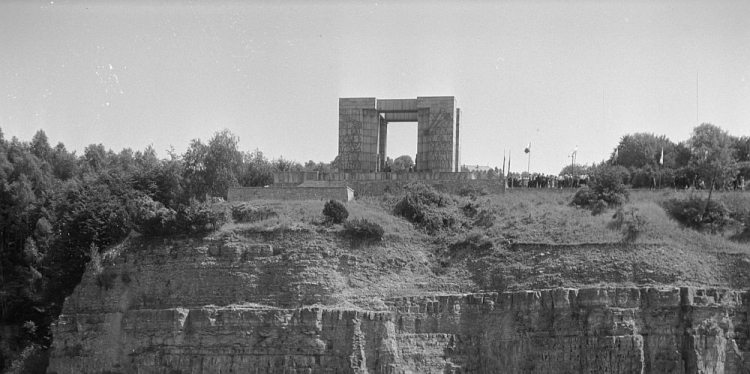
226 306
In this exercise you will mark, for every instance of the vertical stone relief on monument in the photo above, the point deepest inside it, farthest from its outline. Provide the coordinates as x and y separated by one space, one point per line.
441 140
350 139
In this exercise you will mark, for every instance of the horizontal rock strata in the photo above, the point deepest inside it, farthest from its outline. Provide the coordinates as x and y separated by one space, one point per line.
201 314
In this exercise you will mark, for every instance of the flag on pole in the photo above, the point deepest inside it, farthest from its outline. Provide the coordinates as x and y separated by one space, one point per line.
503 163
528 148
508 162
661 159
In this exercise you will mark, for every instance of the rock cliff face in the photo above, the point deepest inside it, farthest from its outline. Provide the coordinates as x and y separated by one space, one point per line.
238 308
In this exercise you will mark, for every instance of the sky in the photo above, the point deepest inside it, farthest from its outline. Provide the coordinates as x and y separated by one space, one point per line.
556 74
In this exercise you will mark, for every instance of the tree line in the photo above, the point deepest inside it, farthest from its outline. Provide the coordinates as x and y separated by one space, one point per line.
710 158
58 209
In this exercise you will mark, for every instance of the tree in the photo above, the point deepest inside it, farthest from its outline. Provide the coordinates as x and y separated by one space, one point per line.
40 146
194 172
223 163
64 164
256 170
492 173
283 164
712 156
641 149
95 157
576 169
402 163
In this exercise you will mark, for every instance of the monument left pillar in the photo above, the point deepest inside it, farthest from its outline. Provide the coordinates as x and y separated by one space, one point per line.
359 125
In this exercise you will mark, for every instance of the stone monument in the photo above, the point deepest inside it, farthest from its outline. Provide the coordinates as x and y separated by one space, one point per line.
363 130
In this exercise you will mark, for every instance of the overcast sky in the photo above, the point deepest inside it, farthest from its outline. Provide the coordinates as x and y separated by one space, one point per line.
553 73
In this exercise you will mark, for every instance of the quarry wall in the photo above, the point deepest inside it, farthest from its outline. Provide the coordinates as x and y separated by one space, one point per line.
239 307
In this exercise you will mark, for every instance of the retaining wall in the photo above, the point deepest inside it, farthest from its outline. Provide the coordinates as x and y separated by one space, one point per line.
340 193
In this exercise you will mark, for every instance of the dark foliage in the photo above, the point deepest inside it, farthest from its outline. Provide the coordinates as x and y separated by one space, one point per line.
698 213
420 205
479 215
335 212
606 189
607 184
248 213
584 197
472 191
362 229
629 222
56 205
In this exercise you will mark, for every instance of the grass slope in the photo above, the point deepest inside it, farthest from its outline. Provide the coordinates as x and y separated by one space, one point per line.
537 241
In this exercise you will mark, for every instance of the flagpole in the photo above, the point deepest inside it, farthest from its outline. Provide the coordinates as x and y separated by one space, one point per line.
503 163
511 182
528 167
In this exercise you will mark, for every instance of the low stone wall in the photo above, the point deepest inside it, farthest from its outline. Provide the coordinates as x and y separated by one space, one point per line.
339 193
377 184
381 187
298 177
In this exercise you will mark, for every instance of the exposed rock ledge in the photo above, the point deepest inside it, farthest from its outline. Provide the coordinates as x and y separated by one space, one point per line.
122 322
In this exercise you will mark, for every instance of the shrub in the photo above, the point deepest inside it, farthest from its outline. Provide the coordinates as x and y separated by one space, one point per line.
599 207
606 182
248 213
195 218
692 212
606 189
629 222
472 191
362 229
421 205
158 222
200 217
584 197
483 217
335 212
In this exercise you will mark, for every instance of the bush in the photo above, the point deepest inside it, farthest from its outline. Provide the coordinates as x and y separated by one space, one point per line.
584 197
606 187
199 217
606 182
421 205
362 229
692 212
480 216
248 213
195 218
472 191
335 212
158 222
631 224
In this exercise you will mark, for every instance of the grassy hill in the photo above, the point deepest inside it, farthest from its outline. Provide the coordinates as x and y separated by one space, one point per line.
532 239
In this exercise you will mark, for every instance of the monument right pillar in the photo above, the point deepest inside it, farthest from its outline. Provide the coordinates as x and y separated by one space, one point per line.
436 134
